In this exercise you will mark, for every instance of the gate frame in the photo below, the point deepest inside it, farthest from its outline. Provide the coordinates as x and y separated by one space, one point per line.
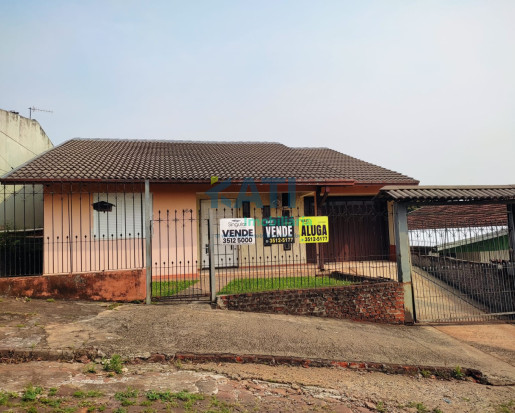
404 196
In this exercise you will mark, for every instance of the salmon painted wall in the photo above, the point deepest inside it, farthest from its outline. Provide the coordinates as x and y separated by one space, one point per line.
76 240
175 231
72 245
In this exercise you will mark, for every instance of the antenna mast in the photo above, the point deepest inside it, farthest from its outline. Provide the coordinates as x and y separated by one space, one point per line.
33 109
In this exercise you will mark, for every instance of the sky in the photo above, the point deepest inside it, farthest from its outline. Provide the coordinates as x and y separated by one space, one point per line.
426 88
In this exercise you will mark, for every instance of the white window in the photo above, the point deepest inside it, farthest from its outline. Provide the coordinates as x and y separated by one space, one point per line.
122 218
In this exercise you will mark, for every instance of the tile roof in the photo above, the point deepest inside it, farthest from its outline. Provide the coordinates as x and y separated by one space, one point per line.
181 161
356 169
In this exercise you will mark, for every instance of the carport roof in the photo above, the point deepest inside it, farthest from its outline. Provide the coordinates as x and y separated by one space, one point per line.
449 194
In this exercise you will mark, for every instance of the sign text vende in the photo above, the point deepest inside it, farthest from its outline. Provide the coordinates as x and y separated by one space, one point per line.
237 231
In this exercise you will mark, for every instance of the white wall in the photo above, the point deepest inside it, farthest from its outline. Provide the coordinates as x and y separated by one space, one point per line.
21 139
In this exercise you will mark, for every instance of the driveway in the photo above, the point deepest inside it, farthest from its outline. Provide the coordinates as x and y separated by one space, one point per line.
134 330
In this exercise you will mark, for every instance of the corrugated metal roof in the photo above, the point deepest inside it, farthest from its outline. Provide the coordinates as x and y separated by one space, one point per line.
448 193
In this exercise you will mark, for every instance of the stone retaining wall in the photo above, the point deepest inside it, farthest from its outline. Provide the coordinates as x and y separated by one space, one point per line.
379 302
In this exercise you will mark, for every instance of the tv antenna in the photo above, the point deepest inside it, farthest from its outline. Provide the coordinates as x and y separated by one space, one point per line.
33 109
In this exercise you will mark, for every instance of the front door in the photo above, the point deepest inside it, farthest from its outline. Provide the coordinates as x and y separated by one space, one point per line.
225 255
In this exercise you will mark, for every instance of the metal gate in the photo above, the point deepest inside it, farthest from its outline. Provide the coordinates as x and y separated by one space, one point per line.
176 273
462 267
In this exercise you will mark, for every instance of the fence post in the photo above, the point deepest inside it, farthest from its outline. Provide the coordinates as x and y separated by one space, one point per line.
212 230
403 259
511 238
148 241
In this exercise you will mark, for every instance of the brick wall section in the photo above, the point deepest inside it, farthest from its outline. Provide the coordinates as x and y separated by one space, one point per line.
379 302
126 285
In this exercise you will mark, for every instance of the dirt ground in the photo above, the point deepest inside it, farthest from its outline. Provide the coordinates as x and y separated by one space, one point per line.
238 388
138 330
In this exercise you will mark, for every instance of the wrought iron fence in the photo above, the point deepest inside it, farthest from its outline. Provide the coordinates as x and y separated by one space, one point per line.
358 251
62 227
462 268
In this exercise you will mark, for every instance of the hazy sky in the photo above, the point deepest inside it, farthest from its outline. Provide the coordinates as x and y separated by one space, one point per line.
426 88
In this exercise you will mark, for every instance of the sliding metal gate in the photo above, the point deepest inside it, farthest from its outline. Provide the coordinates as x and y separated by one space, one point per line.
462 266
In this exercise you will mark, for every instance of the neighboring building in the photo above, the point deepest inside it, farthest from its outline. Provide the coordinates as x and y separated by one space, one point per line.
94 202
477 233
21 139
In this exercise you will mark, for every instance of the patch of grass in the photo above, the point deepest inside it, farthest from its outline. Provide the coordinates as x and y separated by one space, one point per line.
20 325
457 373
32 409
425 373
5 396
380 407
90 393
436 410
50 402
167 396
149 410
120 410
52 391
129 393
125 396
419 406
186 396
220 406
90 368
31 393
166 288
508 407
101 408
112 306
146 403
279 283
114 364
50 300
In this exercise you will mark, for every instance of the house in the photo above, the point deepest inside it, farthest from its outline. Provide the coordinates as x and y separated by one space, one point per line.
94 204
476 233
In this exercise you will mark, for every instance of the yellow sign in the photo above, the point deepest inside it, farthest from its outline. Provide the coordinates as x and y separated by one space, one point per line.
313 229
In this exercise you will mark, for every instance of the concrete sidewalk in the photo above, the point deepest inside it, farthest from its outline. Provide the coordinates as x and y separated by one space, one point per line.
137 330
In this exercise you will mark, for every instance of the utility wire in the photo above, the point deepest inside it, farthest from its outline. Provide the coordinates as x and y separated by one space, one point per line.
14 140
7 162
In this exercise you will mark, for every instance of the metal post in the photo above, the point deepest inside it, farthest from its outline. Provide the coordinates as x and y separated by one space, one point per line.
148 241
511 237
212 239
403 258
